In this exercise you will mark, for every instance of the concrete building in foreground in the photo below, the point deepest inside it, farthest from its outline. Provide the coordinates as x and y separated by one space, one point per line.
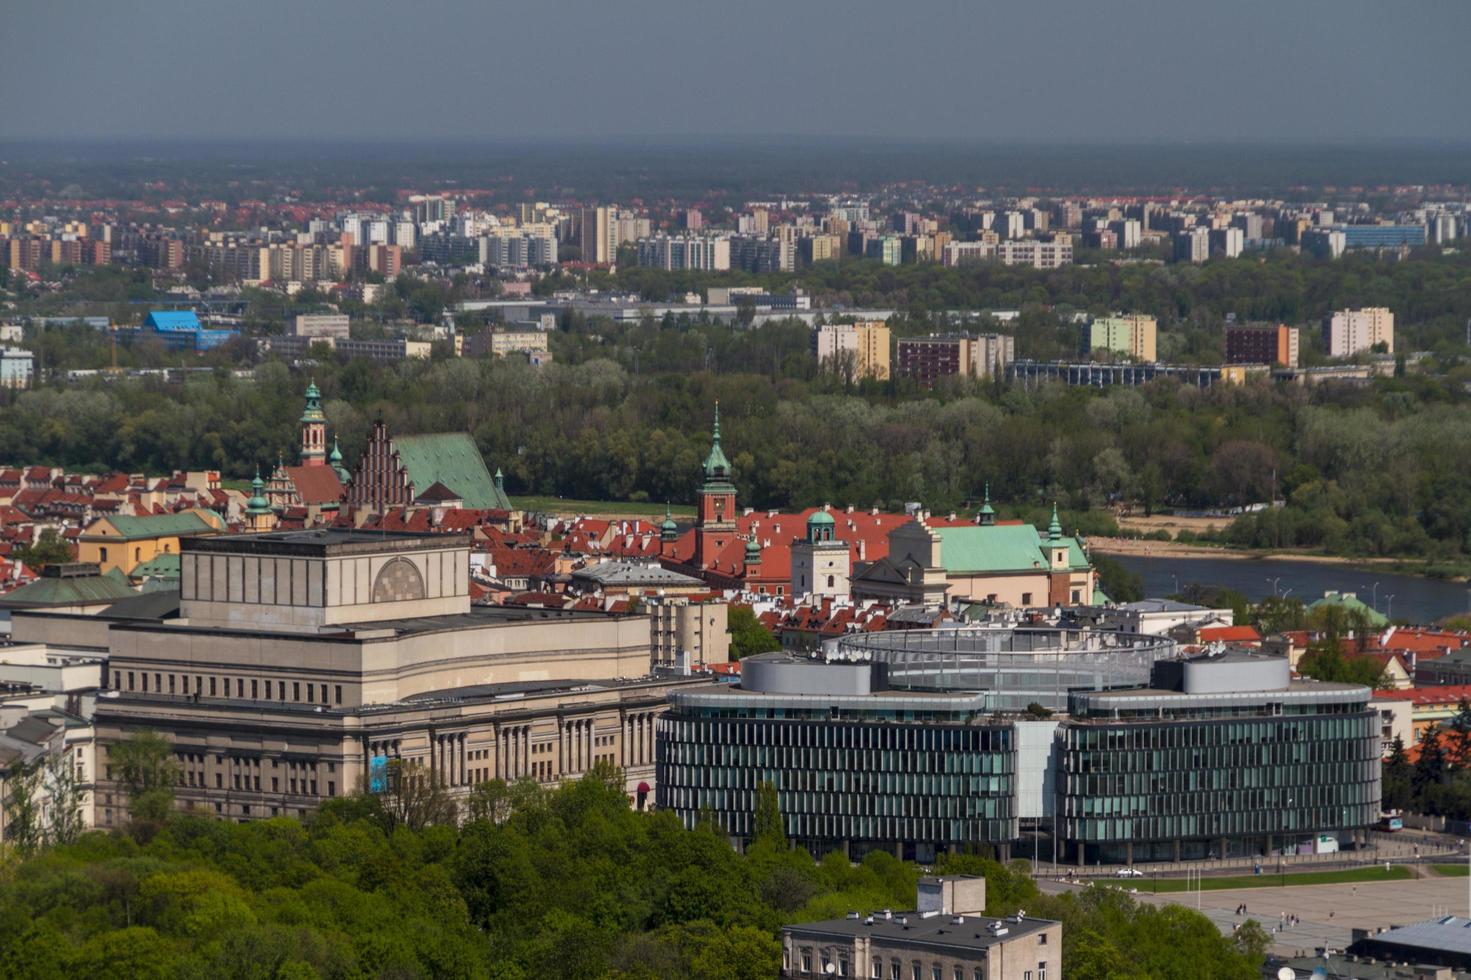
293 666
923 741
947 936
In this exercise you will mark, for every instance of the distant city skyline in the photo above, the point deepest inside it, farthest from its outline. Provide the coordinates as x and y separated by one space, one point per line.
452 70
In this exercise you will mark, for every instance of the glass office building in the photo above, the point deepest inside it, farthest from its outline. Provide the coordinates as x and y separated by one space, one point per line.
1219 758
855 768
1204 757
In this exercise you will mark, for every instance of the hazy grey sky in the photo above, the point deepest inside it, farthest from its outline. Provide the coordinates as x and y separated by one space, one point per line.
979 69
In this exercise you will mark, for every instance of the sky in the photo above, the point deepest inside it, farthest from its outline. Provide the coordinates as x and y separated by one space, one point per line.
973 70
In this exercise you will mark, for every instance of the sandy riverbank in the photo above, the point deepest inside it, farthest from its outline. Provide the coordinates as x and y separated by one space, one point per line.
1171 549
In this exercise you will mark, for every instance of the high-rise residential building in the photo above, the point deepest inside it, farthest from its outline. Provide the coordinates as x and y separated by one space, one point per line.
759 253
1127 232
1348 332
693 219
928 359
860 350
1325 243
1227 242
819 248
675 252
888 249
1037 254
1134 335
1262 345
1441 227
598 235
1192 245
519 248
1250 224
990 353
1010 225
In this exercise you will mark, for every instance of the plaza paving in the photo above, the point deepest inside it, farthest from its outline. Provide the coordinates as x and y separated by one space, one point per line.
1328 912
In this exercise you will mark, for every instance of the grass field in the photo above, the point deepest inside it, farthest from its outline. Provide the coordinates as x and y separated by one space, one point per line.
1451 870
1266 879
560 505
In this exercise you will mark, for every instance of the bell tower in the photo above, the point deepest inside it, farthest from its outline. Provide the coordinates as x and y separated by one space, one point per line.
715 525
313 429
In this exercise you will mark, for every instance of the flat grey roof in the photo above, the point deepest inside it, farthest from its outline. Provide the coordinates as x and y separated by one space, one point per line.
1448 934
974 932
319 542
634 573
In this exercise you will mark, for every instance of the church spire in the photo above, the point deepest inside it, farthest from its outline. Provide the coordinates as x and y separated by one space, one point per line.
717 467
987 515
1054 529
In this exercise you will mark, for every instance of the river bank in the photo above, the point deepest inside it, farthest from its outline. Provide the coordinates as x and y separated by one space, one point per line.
1172 549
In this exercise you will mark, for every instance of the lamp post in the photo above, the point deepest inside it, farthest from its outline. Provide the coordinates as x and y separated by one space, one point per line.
1389 607
1374 600
1274 582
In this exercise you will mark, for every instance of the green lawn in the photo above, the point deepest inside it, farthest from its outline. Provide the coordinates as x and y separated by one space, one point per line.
559 505
1451 870
1267 879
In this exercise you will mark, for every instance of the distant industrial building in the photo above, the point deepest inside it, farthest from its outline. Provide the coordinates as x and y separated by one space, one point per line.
1262 345
1382 236
335 325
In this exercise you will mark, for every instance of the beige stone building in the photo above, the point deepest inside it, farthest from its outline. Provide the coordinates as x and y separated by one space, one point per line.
295 665
947 937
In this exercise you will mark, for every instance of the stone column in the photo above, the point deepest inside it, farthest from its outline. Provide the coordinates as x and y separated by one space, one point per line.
464 761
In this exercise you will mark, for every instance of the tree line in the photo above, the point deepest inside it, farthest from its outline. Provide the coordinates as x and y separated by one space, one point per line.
526 882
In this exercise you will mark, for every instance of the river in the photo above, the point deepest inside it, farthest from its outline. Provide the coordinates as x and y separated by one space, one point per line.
1409 597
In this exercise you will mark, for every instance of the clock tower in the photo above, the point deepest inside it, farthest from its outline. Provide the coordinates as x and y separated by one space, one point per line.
715 525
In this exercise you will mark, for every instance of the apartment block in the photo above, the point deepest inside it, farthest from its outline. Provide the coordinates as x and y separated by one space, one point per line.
1262 345
860 350
1349 332
1133 335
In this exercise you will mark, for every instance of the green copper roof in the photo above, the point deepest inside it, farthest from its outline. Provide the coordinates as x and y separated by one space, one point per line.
159 566
1352 603
1000 548
335 458
257 504
717 467
453 459
1054 528
70 591
820 517
313 410
753 550
669 525
159 526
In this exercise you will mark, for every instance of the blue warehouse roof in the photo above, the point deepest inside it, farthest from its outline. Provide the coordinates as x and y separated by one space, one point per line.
172 320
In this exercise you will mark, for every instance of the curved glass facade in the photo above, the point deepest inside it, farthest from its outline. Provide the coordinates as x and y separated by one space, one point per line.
1229 784
844 783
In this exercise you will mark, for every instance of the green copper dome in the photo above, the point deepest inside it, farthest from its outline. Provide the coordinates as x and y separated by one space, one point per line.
257 504
313 410
1054 529
668 526
753 550
821 517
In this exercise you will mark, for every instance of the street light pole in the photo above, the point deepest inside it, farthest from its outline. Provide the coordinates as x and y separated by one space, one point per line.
1389 614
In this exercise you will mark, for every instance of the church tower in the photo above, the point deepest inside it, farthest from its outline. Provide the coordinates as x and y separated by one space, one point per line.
259 516
821 564
313 429
715 525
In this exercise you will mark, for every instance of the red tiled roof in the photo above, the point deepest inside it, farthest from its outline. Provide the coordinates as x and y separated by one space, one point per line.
1230 634
315 485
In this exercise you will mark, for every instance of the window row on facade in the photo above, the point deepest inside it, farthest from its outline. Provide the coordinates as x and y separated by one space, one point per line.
224 687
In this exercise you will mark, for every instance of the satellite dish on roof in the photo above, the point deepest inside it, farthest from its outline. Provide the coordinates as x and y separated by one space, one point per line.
1287 973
